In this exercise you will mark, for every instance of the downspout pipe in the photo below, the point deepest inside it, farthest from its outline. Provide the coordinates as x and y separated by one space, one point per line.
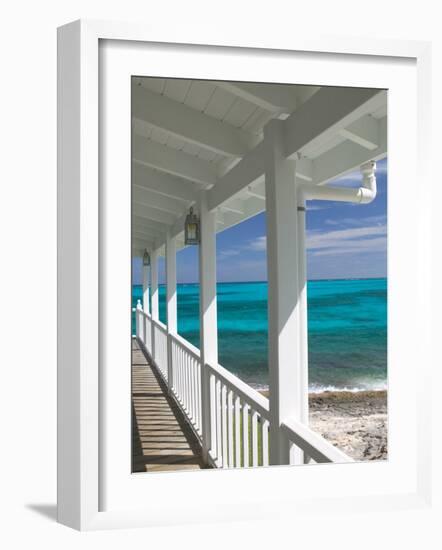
363 195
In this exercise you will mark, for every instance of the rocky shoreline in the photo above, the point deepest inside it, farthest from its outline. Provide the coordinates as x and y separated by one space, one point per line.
356 422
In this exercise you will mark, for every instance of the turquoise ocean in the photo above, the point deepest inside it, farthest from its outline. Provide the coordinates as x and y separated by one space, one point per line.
347 330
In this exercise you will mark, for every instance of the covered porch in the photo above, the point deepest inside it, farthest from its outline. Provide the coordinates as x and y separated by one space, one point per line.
230 150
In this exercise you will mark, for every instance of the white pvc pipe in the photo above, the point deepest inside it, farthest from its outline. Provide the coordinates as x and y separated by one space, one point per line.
363 195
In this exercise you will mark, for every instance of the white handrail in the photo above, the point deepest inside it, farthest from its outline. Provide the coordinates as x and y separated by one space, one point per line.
185 343
246 392
313 444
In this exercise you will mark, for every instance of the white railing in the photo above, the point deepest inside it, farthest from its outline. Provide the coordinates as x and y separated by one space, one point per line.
159 335
143 327
313 444
186 378
239 423
239 415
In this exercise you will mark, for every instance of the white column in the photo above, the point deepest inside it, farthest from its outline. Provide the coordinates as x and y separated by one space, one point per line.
146 306
171 302
154 290
137 319
154 283
208 313
283 293
303 320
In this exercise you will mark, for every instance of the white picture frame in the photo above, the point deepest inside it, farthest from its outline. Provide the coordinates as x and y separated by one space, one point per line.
82 398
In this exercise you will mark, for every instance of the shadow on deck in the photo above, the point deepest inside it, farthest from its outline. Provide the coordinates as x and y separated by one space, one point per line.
162 440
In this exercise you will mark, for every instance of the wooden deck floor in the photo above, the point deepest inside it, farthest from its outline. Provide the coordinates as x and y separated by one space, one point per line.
162 439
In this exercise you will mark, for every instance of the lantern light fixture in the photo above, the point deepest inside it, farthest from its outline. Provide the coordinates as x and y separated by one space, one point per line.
191 228
146 258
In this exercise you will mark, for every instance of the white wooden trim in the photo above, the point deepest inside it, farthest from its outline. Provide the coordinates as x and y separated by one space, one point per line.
154 284
153 154
146 290
276 99
331 109
312 443
283 302
164 184
208 312
171 301
189 124
141 195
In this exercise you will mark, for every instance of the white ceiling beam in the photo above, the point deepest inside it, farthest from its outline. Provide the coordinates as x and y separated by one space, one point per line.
252 207
364 132
248 170
150 153
275 98
190 125
167 204
326 113
141 235
347 157
233 205
256 192
150 213
165 184
142 228
141 244
158 226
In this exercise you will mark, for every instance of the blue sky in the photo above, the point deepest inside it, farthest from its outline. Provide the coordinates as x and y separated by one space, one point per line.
343 241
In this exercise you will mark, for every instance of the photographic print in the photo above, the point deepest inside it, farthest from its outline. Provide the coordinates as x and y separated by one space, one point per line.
259 274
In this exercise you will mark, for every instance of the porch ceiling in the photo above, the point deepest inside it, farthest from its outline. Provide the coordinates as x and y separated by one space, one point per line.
193 135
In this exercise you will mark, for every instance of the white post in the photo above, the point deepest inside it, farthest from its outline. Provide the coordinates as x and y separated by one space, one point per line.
154 290
137 318
303 320
285 384
171 302
146 306
208 314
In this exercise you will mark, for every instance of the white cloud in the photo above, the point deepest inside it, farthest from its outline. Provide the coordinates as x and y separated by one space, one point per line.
358 222
259 244
230 252
346 241
313 207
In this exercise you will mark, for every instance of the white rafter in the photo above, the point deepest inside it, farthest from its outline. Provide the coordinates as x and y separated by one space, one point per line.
167 204
274 98
142 244
171 161
336 108
145 230
250 168
364 132
151 213
165 184
326 113
233 205
347 157
190 125
156 225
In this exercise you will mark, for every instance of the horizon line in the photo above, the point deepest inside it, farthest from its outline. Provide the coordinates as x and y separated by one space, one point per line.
266 281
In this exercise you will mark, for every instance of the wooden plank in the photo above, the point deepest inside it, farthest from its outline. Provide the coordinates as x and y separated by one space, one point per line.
162 438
